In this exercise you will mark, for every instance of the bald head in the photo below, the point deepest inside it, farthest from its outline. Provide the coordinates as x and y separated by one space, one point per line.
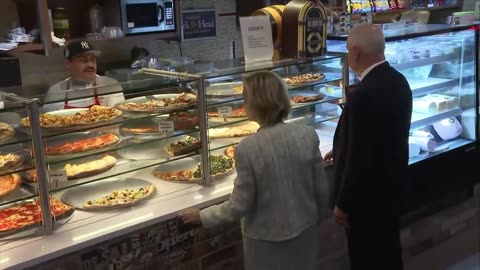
366 46
368 37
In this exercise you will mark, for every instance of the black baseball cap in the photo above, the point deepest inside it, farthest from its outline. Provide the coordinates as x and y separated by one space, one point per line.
78 47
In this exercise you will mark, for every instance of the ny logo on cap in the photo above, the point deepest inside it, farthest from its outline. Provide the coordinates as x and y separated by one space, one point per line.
84 45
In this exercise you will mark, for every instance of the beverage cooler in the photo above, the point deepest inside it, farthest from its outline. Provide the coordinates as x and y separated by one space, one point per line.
440 64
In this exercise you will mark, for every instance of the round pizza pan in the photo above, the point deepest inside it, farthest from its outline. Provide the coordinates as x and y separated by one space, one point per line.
139 113
72 137
79 195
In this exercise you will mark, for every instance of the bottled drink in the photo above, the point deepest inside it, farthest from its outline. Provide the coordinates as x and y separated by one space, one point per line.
61 24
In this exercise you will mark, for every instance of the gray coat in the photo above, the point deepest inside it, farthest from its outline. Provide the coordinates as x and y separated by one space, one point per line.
280 189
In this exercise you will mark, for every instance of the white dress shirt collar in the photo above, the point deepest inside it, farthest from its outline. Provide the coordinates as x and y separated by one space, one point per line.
370 68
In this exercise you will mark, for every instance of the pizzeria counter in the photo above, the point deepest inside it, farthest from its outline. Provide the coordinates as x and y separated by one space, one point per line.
111 171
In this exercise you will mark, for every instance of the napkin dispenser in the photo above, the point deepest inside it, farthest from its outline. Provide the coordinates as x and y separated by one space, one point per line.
10 67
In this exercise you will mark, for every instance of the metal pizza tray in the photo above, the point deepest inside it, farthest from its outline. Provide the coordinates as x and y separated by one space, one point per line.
133 113
32 230
75 137
150 150
78 196
177 165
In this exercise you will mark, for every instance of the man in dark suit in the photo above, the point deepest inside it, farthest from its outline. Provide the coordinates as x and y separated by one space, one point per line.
370 154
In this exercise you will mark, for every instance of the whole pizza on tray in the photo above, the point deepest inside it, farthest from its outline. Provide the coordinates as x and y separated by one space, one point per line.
120 198
100 141
6 131
304 78
28 215
96 114
160 103
9 161
220 166
305 99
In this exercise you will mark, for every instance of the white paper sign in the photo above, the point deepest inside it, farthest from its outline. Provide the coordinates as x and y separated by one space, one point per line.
166 127
257 38
57 176
225 112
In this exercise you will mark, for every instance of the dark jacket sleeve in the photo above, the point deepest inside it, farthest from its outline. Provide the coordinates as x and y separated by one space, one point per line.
361 124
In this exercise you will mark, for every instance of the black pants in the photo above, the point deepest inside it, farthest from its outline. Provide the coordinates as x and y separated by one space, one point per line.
374 243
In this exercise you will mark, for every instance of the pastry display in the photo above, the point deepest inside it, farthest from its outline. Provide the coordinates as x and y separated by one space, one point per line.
81 170
244 129
184 146
121 198
304 78
220 166
434 103
28 215
9 161
159 103
9 183
305 99
94 115
6 131
100 141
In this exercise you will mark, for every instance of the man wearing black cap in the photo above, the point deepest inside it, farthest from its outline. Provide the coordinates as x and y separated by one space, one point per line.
84 88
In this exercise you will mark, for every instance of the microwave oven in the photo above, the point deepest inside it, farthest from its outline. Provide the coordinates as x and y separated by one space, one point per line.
145 16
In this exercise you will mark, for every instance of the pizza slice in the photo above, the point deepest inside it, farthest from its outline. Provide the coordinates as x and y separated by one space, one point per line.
9 161
121 198
8 183
77 171
6 131
182 147
230 151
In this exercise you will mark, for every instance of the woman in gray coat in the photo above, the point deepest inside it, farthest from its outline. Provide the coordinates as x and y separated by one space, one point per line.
280 193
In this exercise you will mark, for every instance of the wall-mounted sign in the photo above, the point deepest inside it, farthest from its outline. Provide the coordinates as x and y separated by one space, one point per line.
200 23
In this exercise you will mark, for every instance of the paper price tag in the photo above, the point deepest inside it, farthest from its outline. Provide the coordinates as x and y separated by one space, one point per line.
225 112
166 127
57 176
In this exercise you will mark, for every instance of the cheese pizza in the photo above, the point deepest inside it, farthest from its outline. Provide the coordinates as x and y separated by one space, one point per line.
230 151
305 99
234 131
28 215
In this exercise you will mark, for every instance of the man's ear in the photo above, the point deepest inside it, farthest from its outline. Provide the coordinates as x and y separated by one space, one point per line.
355 52
67 63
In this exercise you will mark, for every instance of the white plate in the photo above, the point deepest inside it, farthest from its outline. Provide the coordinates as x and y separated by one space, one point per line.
78 196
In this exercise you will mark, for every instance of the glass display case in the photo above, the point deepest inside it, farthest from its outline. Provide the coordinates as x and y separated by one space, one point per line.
440 64
154 146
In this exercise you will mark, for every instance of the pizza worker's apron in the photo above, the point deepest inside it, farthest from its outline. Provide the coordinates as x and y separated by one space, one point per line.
96 100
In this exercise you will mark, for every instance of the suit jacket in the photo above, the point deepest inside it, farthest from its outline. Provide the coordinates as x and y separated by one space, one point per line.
280 189
370 145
